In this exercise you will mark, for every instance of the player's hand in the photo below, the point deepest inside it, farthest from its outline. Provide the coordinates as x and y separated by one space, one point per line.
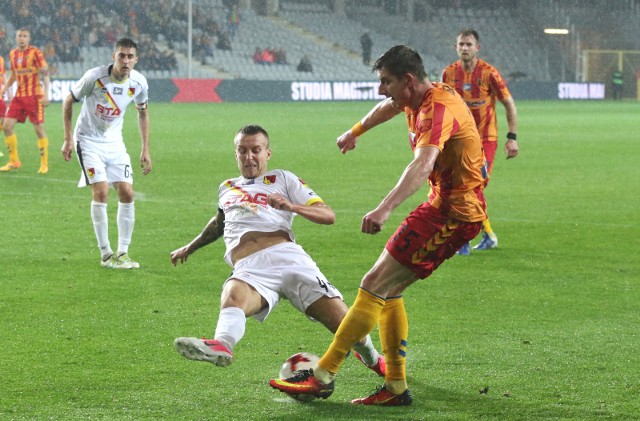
45 101
373 221
145 163
511 148
278 201
346 142
67 150
180 255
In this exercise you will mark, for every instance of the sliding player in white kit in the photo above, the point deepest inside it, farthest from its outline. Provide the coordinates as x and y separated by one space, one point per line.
255 216
107 91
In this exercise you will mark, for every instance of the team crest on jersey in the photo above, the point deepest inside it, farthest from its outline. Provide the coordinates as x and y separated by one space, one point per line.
426 124
479 82
132 91
269 179
117 91
91 172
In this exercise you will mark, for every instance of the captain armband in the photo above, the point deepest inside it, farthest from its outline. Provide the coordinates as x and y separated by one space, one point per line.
511 136
357 129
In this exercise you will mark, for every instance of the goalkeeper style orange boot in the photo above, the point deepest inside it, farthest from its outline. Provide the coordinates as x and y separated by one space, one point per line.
303 383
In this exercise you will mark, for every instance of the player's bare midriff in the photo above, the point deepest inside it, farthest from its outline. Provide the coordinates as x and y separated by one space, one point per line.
254 241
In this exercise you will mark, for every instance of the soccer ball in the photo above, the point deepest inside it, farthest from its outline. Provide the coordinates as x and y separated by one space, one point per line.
296 363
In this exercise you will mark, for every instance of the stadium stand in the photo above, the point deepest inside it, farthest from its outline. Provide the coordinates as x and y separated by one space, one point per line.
511 37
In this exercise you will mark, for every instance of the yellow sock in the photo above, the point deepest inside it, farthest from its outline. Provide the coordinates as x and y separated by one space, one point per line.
486 226
361 318
394 330
43 147
12 147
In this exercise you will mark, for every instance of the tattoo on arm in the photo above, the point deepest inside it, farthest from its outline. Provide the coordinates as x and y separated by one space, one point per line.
210 233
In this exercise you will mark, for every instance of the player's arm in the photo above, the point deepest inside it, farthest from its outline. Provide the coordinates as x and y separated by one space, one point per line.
46 79
143 127
413 177
211 232
511 146
383 111
67 115
317 212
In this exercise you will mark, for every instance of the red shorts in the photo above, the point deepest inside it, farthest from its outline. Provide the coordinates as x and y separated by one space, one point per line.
3 109
489 148
426 238
489 153
26 106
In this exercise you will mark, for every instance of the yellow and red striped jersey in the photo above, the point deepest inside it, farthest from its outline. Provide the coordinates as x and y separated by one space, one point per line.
479 88
26 65
443 121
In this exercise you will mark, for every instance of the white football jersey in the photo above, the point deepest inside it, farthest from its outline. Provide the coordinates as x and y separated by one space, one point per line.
244 202
105 102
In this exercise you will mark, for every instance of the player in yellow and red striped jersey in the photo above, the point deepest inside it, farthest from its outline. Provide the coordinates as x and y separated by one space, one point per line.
447 153
481 86
27 66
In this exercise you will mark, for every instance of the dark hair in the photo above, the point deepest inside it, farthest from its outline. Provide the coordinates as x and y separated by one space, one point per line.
125 43
252 129
468 32
400 60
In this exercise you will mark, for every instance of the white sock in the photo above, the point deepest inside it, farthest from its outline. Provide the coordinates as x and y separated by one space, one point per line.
230 328
101 227
126 220
367 351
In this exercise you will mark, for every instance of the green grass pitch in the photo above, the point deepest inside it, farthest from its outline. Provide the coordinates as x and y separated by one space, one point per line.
546 326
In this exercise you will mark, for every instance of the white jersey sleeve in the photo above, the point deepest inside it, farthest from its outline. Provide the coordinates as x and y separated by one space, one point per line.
105 101
246 208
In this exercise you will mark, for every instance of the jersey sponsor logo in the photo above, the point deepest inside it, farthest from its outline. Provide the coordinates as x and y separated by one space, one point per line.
107 111
269 179
22 72
245 197
117 91
476 103
466 87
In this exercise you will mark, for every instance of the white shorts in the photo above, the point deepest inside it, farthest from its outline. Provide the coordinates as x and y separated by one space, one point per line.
284 271
108 162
